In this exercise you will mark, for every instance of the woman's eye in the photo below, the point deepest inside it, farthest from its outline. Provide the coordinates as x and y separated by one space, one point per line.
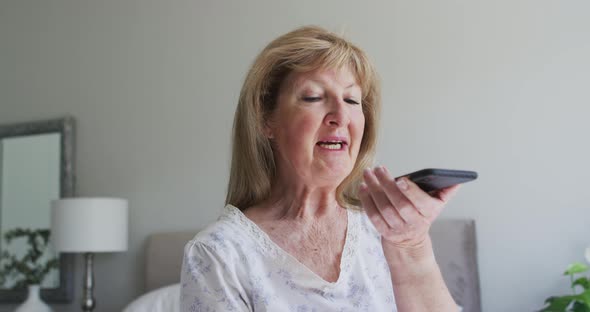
351 101
312 98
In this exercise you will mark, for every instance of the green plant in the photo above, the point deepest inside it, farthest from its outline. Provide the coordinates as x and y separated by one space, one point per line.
32 267
577 302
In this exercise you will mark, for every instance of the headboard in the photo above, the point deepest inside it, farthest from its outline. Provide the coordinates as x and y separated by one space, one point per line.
454 245
455 248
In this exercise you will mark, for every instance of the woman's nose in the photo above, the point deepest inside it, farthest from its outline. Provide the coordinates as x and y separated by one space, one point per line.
336 116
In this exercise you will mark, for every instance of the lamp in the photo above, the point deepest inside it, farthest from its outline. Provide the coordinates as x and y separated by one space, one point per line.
89 225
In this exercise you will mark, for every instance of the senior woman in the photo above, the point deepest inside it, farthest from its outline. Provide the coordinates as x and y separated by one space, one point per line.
306 227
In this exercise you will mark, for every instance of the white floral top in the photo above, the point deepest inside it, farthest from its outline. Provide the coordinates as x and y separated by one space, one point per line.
232 265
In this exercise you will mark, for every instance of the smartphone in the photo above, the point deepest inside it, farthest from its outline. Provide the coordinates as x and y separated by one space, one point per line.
430 180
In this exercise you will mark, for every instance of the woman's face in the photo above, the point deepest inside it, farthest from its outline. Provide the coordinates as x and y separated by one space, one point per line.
317 126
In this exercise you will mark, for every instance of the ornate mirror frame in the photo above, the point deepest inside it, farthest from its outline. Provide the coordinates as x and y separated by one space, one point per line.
65 126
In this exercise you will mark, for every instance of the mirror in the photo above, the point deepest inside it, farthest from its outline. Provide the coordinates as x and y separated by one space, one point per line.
36 166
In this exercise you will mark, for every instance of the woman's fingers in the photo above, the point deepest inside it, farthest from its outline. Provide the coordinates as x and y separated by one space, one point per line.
427 206
382 203
399 209
405 208
371 209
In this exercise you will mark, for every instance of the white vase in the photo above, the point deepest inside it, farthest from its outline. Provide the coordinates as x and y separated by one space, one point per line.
33 302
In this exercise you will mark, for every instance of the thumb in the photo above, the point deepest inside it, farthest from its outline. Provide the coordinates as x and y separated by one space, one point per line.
446 194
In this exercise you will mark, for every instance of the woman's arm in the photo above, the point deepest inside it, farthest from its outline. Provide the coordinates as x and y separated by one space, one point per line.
418 284
403 213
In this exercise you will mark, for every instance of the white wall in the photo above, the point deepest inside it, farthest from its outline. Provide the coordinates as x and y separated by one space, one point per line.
500 87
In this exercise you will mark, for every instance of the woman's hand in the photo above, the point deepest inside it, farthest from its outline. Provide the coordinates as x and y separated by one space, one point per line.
400 210
403 213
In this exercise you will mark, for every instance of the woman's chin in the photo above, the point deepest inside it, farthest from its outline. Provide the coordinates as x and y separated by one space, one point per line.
334 175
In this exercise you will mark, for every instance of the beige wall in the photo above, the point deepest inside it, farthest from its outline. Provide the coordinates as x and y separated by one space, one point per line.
500 87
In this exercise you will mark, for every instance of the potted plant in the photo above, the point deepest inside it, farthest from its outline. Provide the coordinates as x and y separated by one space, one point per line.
578 301
30 269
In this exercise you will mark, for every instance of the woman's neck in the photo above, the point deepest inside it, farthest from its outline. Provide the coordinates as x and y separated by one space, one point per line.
299 202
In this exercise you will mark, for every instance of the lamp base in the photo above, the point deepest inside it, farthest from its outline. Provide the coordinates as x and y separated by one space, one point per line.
88 302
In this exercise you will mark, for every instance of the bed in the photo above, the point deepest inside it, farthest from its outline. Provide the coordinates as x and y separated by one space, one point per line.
454 246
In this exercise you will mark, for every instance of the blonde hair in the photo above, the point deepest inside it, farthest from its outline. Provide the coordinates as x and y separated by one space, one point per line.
304 49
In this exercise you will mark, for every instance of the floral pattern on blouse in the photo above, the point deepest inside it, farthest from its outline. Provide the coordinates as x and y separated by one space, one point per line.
232 265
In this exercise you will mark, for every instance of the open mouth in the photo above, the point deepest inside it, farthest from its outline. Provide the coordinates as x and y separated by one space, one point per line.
332 145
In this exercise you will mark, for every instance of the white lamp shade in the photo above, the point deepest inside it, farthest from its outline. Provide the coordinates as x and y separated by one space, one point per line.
89 224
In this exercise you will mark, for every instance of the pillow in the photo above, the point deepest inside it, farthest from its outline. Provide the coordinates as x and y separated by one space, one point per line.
165 299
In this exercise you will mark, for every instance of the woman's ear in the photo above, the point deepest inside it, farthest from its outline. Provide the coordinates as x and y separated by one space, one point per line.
267 130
